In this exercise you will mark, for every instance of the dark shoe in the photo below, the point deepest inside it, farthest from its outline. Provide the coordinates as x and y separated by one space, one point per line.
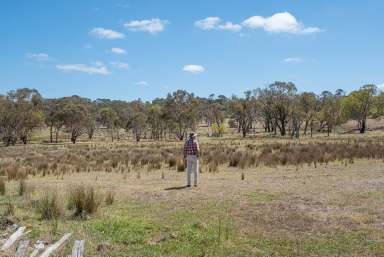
188 185
195 185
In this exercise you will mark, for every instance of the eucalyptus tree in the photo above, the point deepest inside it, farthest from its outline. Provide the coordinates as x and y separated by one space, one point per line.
358 105
20 114
109 118
309 104
181 113
244 112
137 119
330 114
282 97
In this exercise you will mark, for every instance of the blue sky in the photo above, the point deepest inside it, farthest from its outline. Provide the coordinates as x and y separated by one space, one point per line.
129 49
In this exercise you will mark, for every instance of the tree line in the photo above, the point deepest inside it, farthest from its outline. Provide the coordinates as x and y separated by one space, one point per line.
279 107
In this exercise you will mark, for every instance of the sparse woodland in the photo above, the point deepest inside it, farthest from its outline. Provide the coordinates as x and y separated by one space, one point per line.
279 108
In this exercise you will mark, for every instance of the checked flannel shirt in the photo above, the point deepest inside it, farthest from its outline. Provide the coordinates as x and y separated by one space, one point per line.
191 147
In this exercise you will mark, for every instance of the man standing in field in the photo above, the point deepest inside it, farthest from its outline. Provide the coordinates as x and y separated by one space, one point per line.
191 156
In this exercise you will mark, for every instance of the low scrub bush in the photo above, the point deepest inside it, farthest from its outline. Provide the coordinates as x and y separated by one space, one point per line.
2 186
83 200
109 198
180 165
22 187
49 207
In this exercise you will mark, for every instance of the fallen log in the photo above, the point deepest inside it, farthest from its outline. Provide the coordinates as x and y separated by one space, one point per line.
55 246
78 249
22 249
13 238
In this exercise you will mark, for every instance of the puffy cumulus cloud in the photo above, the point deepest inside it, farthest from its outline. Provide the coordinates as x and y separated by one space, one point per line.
230 26
117 50
215 23
38 56
106 33
152 26
96 68
279 23
193 68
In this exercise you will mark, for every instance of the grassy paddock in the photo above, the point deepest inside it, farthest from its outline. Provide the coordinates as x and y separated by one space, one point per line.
257 197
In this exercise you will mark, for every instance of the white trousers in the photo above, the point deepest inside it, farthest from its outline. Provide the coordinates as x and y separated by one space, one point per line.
192 168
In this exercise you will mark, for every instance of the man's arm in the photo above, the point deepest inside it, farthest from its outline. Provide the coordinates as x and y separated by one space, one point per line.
197 149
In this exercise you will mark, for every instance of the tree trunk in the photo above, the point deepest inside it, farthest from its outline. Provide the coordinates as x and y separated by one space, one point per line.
57 135
363 126
311 128
306 127
24 139
51 133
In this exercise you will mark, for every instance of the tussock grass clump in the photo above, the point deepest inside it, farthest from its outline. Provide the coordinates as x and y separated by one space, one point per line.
49 207
172 162
180 165
22 187
2 187
10 208
12 172
110 198
83 200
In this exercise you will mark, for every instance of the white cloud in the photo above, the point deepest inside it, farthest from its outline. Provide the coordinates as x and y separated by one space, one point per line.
151 26
193 68
117 50
120 65
208 23
141 83
38 56
106 33
97 68
230 26
293 60
215 23
279 23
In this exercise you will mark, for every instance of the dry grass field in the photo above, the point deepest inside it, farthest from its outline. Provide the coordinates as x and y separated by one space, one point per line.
258 197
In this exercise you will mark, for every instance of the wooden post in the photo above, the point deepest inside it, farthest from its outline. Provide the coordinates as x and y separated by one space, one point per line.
78 249
13 238
55 246
22 249
38 247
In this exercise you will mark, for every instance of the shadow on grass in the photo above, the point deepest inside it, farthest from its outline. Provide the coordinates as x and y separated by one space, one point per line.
176 188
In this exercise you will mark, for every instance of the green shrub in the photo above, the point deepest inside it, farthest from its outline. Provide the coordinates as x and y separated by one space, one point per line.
180 165
83 200
22 187
2 186
49 207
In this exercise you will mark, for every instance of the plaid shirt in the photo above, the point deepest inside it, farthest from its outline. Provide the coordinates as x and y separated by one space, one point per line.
191 147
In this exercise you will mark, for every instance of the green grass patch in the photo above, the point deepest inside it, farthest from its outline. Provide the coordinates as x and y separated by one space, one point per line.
123 230
262 196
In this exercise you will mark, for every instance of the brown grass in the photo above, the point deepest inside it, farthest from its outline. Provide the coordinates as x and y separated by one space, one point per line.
49 207
83 200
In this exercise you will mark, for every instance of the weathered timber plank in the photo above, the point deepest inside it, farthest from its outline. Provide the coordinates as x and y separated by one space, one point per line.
13 238
39 246
78 249
55 246
22 248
